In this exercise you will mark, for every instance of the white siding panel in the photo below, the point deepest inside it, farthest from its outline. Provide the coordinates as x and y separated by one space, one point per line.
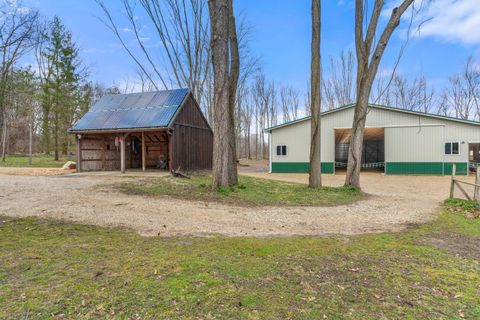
414 144
400 135
297 140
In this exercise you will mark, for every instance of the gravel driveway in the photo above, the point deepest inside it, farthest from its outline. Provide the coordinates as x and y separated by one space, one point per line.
393 203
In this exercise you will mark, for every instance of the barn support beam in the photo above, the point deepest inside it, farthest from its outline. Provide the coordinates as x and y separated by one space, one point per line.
144 160
122 152
79 153
170 140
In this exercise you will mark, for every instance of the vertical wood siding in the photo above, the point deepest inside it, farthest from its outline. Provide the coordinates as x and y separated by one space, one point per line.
192 139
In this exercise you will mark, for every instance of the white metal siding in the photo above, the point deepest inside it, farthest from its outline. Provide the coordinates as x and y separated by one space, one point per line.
408 137
414 144
297 140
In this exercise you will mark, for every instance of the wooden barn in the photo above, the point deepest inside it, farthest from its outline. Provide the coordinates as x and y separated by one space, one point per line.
163 130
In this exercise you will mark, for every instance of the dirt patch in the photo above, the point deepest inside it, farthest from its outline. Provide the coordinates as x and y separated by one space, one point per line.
394 203
33 171
457 244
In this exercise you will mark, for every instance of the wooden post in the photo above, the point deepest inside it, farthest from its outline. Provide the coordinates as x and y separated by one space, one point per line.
170 140
79 153
122 152
452 183
144 160
104 151
477 181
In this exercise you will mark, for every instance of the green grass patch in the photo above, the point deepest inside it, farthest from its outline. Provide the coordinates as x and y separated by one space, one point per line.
249 191
50 270
38 161
461 204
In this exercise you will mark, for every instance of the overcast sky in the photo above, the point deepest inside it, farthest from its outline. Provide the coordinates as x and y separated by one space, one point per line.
281 37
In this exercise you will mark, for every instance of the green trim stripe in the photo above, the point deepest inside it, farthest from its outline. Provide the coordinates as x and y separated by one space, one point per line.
428 168
299 167
420 168
462 168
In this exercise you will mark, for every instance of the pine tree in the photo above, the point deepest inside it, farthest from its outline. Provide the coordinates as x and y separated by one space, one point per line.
62 74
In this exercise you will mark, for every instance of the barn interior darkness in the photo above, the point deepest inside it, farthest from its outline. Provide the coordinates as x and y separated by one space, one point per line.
474 152
373 155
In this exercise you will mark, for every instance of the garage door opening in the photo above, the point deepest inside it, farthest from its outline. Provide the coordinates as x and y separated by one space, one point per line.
373 155
473 156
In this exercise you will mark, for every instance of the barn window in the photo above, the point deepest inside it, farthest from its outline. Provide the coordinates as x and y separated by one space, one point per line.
281 150
452 148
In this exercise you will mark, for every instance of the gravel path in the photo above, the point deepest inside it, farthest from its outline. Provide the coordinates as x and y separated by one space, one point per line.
393 203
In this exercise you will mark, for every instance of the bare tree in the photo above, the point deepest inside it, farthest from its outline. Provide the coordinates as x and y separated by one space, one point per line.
462 96
369 55
17 37
315 175
416 96
308 102
338 88
263 94
443 107
226 69
290 103
182 29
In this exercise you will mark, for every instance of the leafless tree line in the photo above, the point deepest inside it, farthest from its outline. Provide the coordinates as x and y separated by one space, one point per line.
17 38
39 103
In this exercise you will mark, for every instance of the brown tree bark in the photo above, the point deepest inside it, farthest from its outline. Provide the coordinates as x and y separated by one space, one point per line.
226 62
232 92
315 175
369 56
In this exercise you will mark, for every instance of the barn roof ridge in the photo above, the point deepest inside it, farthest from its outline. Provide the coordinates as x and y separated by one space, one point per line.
379 106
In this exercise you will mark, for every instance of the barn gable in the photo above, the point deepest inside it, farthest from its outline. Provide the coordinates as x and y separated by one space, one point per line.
191 138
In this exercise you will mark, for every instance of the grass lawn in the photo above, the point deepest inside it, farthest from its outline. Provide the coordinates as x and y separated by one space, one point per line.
249 192
38 161
53 270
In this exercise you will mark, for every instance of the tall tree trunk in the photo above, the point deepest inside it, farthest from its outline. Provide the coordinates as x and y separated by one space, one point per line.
225 80
369 56
30 136
249 154
46 130
4 139
231 161
315 175
55 137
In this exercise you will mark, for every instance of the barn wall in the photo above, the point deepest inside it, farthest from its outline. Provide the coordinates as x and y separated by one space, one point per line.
414 143
192 139
99 152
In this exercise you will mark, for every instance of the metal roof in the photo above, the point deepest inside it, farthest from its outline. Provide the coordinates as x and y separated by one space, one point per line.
133 110
348 106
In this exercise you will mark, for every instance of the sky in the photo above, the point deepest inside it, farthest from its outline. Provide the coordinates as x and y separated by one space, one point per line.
280 37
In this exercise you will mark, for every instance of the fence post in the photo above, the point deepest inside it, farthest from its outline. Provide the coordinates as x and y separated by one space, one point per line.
477 181
452 182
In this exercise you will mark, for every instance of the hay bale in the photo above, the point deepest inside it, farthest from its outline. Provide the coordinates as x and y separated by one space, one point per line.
70 165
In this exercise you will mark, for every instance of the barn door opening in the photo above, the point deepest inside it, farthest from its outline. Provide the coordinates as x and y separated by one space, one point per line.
373 155
473 155
156 150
